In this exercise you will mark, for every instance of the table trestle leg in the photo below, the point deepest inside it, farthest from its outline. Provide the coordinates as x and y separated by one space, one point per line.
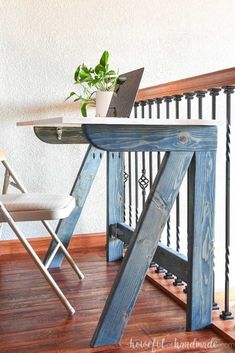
142 248
115 203
200 240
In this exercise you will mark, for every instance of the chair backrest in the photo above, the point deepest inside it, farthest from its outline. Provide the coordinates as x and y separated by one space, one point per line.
9 173
2 155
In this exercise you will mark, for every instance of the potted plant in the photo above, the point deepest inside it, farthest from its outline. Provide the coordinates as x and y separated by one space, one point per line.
96 85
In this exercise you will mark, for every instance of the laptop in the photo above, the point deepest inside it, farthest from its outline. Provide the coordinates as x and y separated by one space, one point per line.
122 102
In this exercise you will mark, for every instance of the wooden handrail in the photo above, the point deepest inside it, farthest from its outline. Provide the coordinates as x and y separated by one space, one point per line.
202 82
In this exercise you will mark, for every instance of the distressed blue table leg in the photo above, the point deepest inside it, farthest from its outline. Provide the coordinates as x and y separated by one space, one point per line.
80 190
201 240
142 248
115 203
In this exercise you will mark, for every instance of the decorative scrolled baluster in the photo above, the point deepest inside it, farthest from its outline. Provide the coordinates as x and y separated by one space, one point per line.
150 104
226 313
136 106
214 92
143 180
136 189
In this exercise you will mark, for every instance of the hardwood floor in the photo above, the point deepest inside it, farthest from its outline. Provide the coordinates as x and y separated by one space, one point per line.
33 320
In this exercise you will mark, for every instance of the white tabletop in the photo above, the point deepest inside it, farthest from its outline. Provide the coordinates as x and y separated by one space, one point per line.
74 121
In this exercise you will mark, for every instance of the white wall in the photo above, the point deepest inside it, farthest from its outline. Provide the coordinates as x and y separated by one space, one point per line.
41 44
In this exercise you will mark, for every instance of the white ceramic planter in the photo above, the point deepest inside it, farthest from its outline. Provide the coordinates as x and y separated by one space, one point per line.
103 99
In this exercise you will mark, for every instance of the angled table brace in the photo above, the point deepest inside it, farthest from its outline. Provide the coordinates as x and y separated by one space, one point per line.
80 191
140 252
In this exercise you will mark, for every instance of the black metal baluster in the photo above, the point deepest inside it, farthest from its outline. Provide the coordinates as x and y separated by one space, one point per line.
168 100
130 188
177 281
215 305
150 103
143 180
214 92
136 172
188 96
168 274
200 95
136 105
136 189
125 178
158 102
226 314
159 269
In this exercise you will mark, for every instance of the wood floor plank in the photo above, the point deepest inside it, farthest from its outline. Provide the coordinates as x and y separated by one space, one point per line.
32 320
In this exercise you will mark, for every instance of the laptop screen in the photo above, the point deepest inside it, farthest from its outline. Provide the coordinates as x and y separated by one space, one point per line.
122 102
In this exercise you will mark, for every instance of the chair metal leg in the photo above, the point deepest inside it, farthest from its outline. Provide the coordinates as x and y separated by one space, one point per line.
37 260
63 249
10 173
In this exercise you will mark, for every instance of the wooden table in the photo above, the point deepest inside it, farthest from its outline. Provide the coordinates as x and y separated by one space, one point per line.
189 146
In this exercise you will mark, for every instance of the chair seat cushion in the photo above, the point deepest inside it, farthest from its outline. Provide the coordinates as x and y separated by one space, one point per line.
35 207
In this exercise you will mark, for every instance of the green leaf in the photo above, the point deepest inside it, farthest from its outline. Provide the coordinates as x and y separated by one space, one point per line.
84 74
77 73
85 68
111 73
104 58
83 109
99 68
71 94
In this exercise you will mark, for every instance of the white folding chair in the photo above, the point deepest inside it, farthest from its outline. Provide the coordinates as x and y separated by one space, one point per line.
26 206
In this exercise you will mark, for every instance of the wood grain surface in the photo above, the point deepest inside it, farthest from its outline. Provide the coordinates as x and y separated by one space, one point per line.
215 79
151 138
30 325
115 203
